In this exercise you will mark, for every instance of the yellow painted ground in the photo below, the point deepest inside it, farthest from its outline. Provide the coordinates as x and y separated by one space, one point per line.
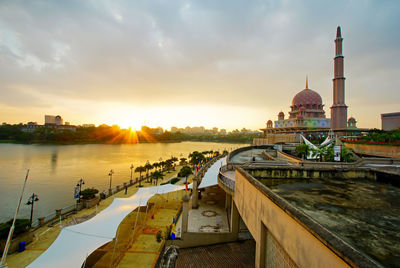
45 236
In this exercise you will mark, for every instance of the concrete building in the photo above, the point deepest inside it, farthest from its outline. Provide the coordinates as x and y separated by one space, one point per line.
390 121
313 215
53 120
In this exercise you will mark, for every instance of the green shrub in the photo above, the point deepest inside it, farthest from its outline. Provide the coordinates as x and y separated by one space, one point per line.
21 226
174 180
89 193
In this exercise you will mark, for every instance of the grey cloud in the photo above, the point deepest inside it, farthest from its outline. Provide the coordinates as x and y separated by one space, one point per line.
249 53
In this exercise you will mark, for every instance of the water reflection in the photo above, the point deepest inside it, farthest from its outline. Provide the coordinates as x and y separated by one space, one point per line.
54 157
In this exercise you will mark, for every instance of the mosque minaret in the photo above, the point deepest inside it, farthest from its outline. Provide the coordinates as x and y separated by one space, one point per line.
339 108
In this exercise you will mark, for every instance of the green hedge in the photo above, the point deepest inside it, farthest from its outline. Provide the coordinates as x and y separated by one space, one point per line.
21 226
89 193
172 181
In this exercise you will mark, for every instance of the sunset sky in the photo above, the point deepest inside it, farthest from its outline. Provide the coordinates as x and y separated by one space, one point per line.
229 64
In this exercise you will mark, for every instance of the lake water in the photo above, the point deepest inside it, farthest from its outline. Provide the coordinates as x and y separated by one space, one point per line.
56 169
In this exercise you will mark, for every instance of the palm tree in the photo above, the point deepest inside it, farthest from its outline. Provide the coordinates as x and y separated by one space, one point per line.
196 157
183 161
162 163
168 164
148 167
140 169
156 175
156 165
174 159
185 171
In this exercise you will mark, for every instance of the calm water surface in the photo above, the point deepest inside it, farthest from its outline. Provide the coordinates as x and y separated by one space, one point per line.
55 169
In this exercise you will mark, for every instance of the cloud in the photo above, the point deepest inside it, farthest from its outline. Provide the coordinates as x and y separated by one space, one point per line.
239 53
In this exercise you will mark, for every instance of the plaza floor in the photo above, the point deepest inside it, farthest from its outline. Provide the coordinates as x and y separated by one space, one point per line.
210 216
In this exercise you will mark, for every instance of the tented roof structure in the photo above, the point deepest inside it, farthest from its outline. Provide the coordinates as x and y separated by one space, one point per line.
211 176
75 243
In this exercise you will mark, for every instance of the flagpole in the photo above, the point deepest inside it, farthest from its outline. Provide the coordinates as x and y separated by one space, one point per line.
3 258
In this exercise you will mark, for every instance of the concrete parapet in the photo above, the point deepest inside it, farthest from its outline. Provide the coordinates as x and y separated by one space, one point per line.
41 221
58 212
203 239
375 150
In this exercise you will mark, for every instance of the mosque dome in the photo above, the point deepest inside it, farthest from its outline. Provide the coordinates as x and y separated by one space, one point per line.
269 122
352 120
307 96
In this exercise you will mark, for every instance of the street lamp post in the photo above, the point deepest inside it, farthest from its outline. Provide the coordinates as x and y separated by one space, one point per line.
31 201
110 174
131 167
79 184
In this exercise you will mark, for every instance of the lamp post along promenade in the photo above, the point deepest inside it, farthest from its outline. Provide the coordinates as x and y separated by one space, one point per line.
31 201
110 174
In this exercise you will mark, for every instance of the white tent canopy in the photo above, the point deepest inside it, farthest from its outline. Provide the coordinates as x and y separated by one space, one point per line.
211 176
75 243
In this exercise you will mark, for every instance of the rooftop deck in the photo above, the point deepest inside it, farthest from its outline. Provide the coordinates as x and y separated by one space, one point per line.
364 213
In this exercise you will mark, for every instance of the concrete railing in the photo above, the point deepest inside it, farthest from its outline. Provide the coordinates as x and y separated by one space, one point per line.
227 184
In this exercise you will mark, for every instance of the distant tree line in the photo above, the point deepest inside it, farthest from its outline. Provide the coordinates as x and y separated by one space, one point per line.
110 134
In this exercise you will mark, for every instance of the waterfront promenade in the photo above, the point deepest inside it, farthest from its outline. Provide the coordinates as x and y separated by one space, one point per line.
155 218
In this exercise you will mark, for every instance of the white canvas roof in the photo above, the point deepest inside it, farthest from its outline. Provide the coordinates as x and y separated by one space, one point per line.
75 243
211 176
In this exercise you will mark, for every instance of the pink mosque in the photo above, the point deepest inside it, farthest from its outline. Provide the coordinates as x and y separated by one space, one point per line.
307 113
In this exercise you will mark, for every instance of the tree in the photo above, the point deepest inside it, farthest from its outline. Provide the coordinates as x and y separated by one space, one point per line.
302 150
174 159
156 165
162 163
346 154
168 164
156 175
196 158
148 167
140 169
319 153
89 193
185 172
182 161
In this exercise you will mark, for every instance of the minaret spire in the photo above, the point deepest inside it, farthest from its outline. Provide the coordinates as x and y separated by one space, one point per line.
307 82
339 108
338 32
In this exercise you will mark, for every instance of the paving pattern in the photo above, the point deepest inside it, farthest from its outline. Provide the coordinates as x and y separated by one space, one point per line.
238 254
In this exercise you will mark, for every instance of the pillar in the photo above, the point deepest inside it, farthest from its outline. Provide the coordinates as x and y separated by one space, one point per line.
195 196
228 201
235 217
185 214
261 246
41 221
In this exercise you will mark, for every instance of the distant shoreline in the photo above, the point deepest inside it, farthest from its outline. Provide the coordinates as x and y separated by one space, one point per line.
118 143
